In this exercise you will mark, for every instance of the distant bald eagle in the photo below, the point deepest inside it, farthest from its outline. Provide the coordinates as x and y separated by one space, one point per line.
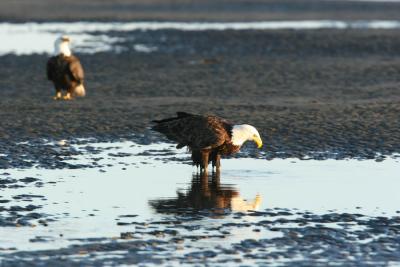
65 71
207 137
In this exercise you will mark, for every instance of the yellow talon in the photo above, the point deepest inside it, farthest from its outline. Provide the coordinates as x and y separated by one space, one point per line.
58 96
67 96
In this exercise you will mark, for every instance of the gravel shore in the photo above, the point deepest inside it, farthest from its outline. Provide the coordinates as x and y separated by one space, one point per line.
322 93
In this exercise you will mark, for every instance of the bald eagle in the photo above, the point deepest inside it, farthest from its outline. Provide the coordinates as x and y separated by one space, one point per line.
65 71
207 137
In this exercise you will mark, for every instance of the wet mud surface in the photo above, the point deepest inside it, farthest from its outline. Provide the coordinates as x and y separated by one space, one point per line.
319 94
323 94
296 239
204 221
183 10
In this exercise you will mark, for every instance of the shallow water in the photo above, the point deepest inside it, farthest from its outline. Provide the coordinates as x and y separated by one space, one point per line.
135 183
93 37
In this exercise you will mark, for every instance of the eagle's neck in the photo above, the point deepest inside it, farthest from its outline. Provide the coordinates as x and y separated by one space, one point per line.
63 48
240 134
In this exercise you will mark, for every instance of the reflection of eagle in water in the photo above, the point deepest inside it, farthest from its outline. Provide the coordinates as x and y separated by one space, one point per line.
207 137
205 194
65 70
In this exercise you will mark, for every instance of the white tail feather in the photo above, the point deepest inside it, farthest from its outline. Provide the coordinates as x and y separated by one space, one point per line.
80 91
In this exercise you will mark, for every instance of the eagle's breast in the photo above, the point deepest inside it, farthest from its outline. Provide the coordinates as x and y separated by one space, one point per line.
228 148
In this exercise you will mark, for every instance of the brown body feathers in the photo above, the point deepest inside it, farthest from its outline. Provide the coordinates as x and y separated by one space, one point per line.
67 74
207 137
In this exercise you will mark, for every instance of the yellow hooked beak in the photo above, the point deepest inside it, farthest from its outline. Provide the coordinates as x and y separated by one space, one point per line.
258 141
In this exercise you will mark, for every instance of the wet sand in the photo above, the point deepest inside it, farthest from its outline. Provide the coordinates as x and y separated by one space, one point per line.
312 94
184 10
322 93
173 216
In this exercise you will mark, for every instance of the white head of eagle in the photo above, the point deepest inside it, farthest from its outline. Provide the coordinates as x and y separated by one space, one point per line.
61 46
244 132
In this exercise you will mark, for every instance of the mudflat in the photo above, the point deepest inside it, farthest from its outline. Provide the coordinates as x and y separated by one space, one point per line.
186 10
320 93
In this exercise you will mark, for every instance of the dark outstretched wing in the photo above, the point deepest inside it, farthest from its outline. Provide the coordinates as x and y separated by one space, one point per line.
75 69
195 131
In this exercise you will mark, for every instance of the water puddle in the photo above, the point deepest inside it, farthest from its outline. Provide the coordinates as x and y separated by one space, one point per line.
148 193
93 37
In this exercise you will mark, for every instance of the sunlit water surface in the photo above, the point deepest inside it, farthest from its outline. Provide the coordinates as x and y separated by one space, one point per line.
93 37
89 202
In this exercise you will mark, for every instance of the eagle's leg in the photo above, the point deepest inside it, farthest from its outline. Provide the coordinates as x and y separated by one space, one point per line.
204 160
58 95
217 161
68 96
